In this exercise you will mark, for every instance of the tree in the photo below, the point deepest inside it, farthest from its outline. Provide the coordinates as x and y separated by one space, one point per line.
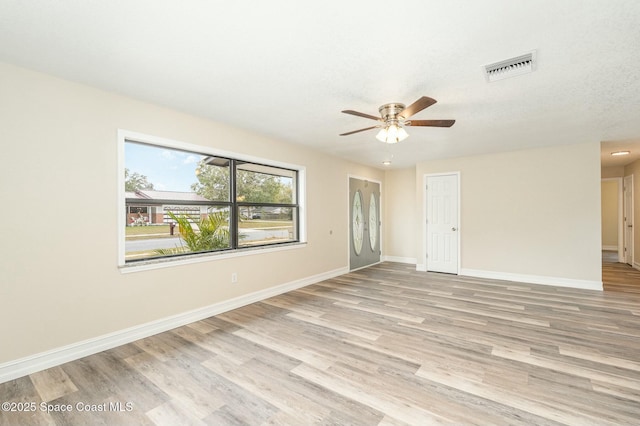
135 181
262 188
213 182
251 187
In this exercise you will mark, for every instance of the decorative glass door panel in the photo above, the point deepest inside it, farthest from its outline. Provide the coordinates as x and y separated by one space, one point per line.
358 223
373 222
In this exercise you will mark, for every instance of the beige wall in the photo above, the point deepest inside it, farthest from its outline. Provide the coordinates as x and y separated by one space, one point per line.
533 212
400 203
609 191
612 172
60 280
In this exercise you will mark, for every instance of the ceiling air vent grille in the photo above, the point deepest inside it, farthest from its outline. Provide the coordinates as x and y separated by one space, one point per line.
522 64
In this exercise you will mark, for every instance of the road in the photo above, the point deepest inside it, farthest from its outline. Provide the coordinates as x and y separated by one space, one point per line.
152 244
251 235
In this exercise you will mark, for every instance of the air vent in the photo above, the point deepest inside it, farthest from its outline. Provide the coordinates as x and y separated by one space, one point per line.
522 64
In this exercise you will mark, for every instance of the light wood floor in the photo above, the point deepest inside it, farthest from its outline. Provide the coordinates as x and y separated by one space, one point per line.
385 345
619 276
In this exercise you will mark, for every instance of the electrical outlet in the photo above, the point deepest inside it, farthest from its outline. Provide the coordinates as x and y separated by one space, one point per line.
234 277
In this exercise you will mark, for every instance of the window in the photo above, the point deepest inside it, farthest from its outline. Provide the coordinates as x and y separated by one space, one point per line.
181 200
266 204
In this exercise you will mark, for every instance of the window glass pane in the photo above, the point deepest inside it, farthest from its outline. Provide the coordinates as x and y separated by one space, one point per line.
155 172
183 229
213 183
264 184
261 225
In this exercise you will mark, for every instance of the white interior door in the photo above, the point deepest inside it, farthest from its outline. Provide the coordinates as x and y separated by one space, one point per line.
442 223
628 219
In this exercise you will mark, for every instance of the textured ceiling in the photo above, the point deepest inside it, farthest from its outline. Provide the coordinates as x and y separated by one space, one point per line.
287 68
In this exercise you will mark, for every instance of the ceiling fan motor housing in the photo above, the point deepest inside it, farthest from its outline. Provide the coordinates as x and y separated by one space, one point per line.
390 111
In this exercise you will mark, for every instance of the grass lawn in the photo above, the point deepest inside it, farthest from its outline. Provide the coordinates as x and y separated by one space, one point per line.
151 231
162 231
257 224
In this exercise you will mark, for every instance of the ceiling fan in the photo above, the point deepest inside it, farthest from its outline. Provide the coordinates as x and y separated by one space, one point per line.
394 117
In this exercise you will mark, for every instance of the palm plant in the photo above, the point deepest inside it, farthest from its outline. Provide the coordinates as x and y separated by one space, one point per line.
212 234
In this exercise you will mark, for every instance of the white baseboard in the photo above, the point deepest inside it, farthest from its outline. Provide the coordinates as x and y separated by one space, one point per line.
610 248
533 279
41 361
409 260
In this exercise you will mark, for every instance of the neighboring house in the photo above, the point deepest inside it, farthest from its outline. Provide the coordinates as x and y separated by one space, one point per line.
145 207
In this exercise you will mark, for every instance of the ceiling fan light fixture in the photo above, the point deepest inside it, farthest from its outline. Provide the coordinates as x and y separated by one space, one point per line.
392 134
402 134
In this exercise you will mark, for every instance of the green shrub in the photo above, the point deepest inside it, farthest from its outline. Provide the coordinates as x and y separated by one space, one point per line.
212 233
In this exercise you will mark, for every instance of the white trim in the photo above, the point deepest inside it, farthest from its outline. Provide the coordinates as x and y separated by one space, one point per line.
425 248
630 245
41 361
151 264
398 259
533 279
185 146
620 247
120 203
126 135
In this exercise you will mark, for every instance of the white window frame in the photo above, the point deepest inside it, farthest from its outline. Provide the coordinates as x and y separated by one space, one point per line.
126 135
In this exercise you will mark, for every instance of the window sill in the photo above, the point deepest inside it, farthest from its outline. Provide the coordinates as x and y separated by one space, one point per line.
151 264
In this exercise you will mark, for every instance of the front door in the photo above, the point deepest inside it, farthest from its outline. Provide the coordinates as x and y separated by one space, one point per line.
442 223
364 223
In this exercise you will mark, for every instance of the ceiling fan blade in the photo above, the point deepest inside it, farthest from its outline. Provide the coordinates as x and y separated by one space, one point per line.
417 106
357 131
362 114
431 123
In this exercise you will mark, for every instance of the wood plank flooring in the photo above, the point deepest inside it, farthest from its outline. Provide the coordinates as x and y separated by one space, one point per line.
385 345
619 276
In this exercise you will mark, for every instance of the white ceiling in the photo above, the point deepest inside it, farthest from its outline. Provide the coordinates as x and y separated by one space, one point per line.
287 68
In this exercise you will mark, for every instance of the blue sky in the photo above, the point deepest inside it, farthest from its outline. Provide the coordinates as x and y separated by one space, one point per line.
167 169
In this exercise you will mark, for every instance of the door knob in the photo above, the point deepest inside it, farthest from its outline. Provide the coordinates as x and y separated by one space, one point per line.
454 229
